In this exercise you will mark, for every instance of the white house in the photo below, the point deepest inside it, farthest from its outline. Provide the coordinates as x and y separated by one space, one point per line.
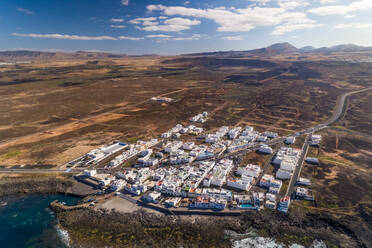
270 204
304 181
288 165
239 184
249 170
152 197
290 140
188 146
173 146
265 180
90 173
274 190
265 149
271 197
283 174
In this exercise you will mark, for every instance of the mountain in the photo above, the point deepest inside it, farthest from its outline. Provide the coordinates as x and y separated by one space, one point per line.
276 49
307 49
37 55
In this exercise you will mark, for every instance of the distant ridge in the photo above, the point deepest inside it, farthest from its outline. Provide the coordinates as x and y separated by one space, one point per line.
287 48
38 55
284 48
278 48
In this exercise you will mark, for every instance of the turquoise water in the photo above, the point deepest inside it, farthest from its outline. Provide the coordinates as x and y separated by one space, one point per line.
26 221
246 206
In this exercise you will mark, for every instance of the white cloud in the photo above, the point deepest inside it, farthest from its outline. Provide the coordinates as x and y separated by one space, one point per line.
26 11
65 36
117 26
186 3
279 30
349 16
262 2
232 38
140 20
152 24
193 37
117 20
240 20
124 2
342 9
354 25
130 38
328 1
181 21
164 28
292 4
158 36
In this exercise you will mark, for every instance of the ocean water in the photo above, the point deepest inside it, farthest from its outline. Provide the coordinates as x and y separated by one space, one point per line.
27 222
261 242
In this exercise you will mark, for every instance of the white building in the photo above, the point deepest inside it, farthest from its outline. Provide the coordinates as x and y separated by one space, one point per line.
188 146
250 170
265 149
90 173
265 180
234 132
276 183
315 140
222 131
304 181
290 140
118 185
270 204
211 138
152 197
239 184
173 146
166 135
283 174
261 139
220 171
284 204
173 202
270 135
274 190
289 165
271 197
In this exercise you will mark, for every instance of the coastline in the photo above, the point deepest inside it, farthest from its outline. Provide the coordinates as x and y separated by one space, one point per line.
106 226
141 225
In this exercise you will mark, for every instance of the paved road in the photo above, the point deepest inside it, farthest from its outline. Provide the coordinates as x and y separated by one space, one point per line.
298 169
265 167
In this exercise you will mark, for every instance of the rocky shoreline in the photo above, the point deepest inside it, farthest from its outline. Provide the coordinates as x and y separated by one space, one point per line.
101 228
89 227
31 185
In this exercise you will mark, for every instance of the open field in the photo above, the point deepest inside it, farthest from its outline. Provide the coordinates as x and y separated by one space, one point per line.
343 179
52 112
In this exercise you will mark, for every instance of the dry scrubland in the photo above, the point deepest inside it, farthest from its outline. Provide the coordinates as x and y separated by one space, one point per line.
51 112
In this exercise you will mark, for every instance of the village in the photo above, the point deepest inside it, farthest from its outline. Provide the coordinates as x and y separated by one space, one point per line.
191 168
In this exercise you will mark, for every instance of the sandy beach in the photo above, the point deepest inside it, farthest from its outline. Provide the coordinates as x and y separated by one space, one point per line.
123 205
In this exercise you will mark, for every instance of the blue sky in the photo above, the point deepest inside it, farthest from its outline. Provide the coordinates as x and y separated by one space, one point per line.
180 26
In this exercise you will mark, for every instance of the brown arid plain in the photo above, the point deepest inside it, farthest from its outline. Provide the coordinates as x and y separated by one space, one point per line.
53 111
